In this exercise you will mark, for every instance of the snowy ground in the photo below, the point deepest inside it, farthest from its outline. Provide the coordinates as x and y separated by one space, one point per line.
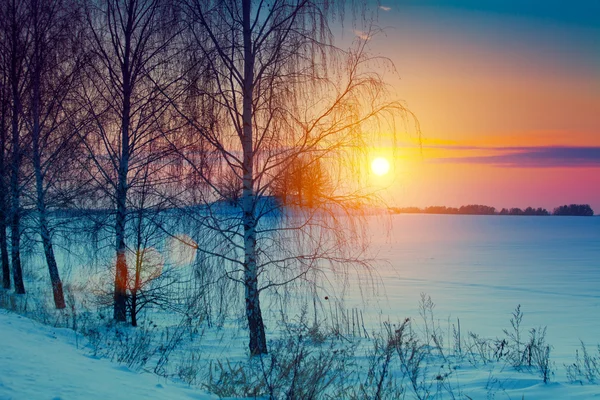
41 362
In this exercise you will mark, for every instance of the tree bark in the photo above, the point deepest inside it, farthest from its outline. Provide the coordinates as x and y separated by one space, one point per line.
3 243
57 289
121 273
3 204
120 293
15 190
258 342
133 309
139 260
15 213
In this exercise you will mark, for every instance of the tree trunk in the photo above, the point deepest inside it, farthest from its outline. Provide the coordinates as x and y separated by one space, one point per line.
57 289
15 234
3 238
133 308
15 190
258 342
4 246
139 260
256 327
120 293
121 274
4 188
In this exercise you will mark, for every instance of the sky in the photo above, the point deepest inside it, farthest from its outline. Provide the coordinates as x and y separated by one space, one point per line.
507 94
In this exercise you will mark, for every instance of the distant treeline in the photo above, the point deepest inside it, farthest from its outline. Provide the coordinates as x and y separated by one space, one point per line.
583 210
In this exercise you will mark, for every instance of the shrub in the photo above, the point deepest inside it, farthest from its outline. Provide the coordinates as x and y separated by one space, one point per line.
296 368
586 366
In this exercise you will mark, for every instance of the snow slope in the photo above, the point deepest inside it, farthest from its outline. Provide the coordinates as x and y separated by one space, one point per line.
41 362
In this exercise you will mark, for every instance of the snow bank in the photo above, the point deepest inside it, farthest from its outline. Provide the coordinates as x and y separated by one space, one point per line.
41 362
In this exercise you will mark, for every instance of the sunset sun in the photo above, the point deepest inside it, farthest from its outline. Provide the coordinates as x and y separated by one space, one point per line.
380 166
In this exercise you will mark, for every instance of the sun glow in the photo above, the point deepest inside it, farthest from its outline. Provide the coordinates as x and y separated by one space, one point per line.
380 166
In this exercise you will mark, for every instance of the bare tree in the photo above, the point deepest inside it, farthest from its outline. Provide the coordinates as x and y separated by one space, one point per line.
303 183
4 168
282 93
132 43
148 263
150 283
53 71
16 41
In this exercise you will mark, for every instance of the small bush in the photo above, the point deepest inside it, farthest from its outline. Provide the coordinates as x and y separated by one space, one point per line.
586 367
379 382
130 346
412 355
233 380
514 345
189 368
480 350
537 353
295 368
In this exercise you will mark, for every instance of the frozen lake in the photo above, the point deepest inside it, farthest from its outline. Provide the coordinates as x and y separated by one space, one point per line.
479 268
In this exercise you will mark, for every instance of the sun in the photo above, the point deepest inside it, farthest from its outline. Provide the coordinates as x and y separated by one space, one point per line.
380 166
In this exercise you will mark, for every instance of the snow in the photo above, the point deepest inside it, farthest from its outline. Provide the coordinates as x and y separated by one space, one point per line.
41 362
476 269
479 268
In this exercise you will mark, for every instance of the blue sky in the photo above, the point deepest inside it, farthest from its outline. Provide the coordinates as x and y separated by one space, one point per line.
583 13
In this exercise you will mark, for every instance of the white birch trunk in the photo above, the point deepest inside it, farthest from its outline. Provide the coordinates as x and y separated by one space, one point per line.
258 343
121 273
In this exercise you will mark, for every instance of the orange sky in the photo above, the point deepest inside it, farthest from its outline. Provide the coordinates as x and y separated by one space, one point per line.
482 83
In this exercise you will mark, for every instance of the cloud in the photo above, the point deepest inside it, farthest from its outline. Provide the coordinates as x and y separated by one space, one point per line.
528 157
362 34
384 8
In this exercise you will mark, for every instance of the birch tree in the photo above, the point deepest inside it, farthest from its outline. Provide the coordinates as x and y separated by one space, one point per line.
54 65
16 41
131 43
283 92
4 168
